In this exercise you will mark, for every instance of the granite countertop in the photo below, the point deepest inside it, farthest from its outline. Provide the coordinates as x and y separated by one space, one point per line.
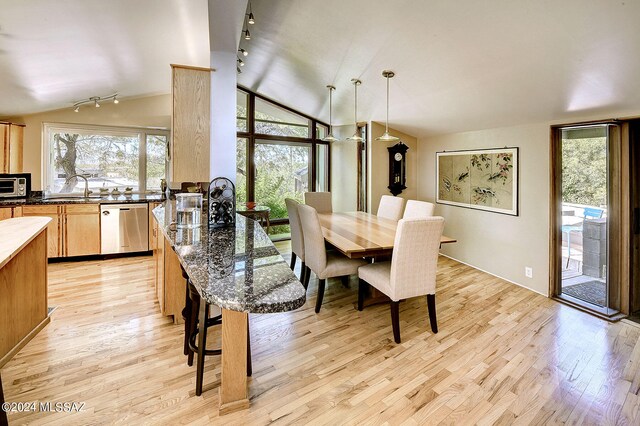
35 200
234 268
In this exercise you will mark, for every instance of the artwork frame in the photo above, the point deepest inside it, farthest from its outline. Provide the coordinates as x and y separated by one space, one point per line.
480 179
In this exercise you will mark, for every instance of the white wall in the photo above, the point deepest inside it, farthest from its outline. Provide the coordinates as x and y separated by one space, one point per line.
152 111
344 171
378 167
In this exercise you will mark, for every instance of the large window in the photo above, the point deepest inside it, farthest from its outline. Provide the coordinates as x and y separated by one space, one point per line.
277 154
108 157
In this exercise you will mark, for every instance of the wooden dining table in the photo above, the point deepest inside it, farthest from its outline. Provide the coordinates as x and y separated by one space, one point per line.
360 234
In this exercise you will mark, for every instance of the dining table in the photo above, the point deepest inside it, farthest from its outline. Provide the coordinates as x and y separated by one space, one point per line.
361 234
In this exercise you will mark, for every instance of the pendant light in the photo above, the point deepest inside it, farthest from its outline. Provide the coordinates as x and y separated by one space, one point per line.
329 137
356 137
386 137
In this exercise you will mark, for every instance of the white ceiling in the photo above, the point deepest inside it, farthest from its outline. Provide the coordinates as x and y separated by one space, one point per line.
55 52
460 65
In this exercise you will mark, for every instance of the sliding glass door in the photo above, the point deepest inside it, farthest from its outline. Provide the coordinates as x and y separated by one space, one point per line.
587 203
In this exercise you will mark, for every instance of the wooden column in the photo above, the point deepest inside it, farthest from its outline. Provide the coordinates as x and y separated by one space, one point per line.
234 394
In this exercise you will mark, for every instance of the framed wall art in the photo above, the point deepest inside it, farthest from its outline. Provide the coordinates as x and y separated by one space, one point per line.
483 179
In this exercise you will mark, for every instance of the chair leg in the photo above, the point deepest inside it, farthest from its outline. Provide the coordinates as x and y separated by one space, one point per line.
320 295
202 344
307 278
193 325
395 320
363 286
345 281
249 366
293 261
431 306
186 314
303 272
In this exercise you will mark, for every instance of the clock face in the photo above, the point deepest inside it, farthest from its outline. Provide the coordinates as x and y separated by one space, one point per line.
398 156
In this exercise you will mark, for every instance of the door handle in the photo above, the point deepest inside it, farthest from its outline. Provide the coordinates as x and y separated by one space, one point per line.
106 212
124 210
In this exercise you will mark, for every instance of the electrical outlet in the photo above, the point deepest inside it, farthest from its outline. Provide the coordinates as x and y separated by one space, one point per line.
528 271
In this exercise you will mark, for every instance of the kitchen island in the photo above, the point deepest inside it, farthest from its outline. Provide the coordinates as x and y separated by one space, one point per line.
23 282
239 270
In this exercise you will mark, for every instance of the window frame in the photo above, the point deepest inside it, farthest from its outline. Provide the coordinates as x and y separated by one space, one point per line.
251 136
141 132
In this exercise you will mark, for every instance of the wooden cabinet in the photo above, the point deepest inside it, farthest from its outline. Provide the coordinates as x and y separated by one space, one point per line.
74 229
170 284
54 230
11 147
9 212
81 229
190 123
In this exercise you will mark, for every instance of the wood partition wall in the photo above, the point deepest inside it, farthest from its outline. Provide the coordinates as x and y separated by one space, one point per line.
619 216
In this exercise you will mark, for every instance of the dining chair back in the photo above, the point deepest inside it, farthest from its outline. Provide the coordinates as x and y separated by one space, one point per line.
297 239
315 251
390 207
321 201
418 209
415 257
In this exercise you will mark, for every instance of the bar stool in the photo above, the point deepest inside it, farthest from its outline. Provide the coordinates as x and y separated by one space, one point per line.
197 340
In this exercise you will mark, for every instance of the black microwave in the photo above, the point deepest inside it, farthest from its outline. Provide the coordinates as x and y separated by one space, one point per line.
15 185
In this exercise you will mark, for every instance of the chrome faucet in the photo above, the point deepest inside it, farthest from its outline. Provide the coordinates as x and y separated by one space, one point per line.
86 184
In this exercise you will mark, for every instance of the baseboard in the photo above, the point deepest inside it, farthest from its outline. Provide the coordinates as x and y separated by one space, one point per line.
497 276
22 343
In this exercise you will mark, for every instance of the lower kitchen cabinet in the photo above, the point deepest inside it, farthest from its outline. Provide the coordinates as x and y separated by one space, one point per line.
9 212
74 229
81 229
54 229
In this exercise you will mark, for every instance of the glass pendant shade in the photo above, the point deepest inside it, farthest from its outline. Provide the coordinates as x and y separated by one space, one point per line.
330 137
386 137
356 137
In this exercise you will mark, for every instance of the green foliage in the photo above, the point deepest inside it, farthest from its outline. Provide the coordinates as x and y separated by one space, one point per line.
584 171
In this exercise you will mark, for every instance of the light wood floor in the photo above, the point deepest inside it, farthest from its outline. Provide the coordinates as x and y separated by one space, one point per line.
503 355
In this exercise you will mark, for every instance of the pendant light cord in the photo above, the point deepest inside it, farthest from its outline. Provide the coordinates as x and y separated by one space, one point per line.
386 126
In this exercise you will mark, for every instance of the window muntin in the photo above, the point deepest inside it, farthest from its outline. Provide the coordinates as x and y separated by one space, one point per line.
271 119
109 157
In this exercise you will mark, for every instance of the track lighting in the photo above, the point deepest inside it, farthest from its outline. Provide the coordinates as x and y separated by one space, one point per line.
240 62
244 52
95 100
247 34
251 19
238 70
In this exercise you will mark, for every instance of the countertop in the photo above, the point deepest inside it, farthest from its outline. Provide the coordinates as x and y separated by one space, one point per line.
236 268
110 199
17 233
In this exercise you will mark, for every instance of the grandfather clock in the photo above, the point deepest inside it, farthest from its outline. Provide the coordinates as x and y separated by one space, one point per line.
397 168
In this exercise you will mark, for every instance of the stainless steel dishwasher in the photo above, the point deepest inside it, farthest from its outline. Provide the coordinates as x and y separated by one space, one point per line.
124 228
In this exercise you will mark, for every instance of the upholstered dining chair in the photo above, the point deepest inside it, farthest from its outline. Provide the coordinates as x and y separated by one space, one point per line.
321 201
297 240
411 271
418 209
390 207
325 264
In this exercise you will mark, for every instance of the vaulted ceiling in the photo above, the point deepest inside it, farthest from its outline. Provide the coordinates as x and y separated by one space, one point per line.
460 65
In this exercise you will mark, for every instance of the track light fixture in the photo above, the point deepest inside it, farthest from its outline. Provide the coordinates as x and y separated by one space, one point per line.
95 100
251 20
243 52
247 34
240 62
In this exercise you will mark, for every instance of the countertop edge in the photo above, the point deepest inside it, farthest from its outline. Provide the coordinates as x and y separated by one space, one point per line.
34 225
